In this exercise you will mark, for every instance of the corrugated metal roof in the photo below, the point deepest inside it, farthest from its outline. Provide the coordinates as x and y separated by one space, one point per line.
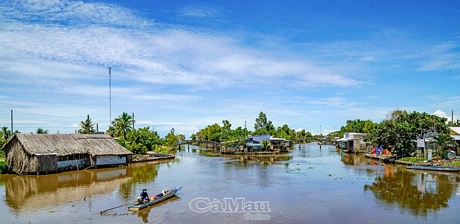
455 129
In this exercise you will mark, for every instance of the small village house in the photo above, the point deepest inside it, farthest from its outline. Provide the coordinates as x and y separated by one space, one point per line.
455 134
42 153
352 142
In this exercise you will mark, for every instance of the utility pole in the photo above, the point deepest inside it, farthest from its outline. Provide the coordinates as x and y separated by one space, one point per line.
133 120
245 138
12 123
110 95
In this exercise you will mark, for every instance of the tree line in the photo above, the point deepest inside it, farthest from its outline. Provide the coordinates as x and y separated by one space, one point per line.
398 131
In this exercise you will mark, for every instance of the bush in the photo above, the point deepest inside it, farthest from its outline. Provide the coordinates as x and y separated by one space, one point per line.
3 167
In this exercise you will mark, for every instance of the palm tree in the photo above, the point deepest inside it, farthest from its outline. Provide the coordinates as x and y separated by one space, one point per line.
122 125
265 144
87 126
42 131
5 133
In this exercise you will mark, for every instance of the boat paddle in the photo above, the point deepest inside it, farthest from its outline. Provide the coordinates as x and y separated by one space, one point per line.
103 211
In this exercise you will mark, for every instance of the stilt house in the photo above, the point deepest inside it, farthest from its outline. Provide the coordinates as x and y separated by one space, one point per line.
42 153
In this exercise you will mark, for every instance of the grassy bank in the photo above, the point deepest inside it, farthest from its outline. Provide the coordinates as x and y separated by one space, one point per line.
412 159
163 149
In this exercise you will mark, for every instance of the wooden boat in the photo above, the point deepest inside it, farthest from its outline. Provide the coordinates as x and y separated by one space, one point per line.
154 199
435 168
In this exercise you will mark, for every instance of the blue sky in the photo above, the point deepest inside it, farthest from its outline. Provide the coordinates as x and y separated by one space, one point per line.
187 64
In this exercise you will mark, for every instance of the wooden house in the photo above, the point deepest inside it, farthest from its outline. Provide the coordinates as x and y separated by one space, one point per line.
42 153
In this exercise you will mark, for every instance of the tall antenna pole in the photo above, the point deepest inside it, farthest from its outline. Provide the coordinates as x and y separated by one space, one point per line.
12 123
110 95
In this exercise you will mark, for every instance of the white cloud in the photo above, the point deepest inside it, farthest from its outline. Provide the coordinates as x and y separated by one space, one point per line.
199 11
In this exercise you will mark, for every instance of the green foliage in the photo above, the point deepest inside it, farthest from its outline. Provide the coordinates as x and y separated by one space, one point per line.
41 131
401 129
217 133
121 125
263 125
3 167
302 134
87 126
358 126
285 132
265 144
225 133
172 140
141 140
5 133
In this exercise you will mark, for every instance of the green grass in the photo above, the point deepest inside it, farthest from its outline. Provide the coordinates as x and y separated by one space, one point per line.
412 159
163 149
455 164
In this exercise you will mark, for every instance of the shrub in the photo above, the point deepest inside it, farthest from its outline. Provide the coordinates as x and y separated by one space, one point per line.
3 167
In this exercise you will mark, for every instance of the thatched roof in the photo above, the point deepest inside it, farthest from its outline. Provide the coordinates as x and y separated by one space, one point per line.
69 144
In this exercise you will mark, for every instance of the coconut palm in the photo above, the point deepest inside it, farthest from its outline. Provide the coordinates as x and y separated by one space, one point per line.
265 144
87 126
5 133
122 125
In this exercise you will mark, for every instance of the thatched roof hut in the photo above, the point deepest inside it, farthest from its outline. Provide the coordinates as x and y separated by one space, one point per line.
37 153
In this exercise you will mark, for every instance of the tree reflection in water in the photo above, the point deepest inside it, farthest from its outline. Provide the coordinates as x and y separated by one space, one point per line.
419 193
141 173
246 160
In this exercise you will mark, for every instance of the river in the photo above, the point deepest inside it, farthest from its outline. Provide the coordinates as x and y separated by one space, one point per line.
308 185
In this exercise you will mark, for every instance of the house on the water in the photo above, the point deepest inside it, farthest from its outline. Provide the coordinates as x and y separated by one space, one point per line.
352 142
455 134
255 143
42 153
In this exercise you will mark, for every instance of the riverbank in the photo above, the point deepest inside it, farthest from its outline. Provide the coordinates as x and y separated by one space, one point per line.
412 161
151 156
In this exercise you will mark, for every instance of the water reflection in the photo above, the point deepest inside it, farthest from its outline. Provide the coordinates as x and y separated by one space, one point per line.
352 159
247 160
141 173
32 192
419 193
29 192
145 213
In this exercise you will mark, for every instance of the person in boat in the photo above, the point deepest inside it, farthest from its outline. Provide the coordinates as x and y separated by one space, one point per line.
144 197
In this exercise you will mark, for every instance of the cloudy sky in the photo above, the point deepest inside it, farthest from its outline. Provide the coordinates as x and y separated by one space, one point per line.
188 64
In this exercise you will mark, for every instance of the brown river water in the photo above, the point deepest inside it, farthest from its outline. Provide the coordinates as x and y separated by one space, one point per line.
308 185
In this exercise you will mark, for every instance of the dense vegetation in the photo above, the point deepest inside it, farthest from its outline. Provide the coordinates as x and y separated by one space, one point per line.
3 164
262 125
401 130
398 132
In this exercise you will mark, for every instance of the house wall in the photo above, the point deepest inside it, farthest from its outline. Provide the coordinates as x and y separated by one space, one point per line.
44 163
110 160
71 163
17 158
